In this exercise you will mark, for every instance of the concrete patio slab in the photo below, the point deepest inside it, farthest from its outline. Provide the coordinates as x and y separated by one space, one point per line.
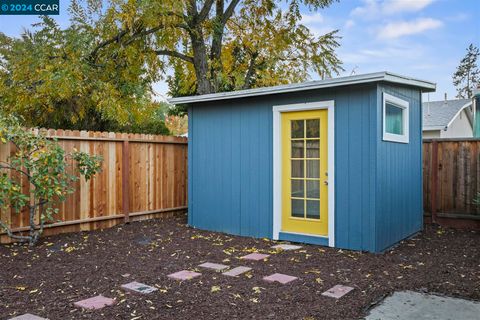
28 316
278 277
405 305
214 266
286 247
255 256
138 287
235 272
95 303
184 275
337 291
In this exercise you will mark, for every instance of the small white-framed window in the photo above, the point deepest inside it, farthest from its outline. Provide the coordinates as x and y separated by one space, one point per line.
395 119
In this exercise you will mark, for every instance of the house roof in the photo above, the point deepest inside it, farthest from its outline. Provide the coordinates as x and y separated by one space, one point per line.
438 115
385 76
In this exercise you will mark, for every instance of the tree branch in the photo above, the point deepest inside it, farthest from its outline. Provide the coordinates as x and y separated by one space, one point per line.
205 10
105 43
11 235
175 54
230 10
250 72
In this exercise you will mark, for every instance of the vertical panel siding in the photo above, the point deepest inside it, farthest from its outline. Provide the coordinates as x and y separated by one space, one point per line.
354 168
231 168
231 164
399 175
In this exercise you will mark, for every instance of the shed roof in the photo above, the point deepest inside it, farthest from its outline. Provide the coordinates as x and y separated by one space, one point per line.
437 115
385 76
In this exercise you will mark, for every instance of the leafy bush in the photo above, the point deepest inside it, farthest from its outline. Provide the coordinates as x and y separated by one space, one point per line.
45 166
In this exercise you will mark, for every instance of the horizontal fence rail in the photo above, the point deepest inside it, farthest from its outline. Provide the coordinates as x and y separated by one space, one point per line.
143 177
451 178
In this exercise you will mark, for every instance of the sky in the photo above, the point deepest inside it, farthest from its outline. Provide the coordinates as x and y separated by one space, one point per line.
425 39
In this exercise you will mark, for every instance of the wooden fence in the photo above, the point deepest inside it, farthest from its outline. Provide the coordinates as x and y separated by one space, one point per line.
451 179
143 176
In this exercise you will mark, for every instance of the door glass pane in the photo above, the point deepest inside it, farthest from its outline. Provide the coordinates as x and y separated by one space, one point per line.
393 119
297 208
313 148
313 128
297 148
297 129
313 209
297 189
313 189
313 168
297 169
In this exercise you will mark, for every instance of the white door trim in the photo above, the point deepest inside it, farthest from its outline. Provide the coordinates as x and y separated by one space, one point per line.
277 163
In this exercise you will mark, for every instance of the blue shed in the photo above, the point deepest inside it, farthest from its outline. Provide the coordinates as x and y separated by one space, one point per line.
335 162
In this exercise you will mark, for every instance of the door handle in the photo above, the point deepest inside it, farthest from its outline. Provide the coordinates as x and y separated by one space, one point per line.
325 182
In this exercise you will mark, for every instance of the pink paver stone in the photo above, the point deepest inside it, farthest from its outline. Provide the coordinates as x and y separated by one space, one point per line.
286 247
138 287
236 271
337 291
255 256
95 303
278 277
28 316
184 275
214 266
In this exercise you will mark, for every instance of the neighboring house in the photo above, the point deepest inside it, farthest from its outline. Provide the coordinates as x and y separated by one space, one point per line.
333 162
448 119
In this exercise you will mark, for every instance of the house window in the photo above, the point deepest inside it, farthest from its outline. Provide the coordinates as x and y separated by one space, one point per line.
395 119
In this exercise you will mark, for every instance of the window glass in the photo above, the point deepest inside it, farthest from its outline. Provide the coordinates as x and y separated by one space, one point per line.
297 208
313 128
297 169
313 209
313 148
297 148
313 168
297 189
313 189
393 119
297 129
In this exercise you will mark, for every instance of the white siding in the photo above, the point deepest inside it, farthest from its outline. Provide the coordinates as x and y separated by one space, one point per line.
431 134
459 128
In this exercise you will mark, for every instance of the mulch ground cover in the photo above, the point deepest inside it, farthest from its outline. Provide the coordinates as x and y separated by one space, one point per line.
48 279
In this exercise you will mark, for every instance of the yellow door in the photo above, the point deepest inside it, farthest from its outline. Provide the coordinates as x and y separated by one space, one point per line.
305 172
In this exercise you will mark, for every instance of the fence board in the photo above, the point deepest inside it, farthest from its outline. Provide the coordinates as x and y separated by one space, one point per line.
452 181
151 183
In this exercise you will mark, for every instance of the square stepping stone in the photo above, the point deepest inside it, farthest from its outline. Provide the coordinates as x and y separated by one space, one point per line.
28 316
255 256
214 266
337 291
184 275
95 303
138 287
286 247
278 277
236 271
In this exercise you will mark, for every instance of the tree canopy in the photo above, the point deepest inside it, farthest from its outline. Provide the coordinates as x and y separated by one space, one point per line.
467 75
217 45
98 72
46 79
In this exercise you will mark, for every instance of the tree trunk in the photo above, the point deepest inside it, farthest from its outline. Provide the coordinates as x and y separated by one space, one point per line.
216 49
200 62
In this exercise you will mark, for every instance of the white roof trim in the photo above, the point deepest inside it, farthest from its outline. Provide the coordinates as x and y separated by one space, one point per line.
458 113
327 83
433 128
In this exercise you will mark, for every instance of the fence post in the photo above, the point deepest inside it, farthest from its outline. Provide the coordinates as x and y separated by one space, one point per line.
125 181
434 181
